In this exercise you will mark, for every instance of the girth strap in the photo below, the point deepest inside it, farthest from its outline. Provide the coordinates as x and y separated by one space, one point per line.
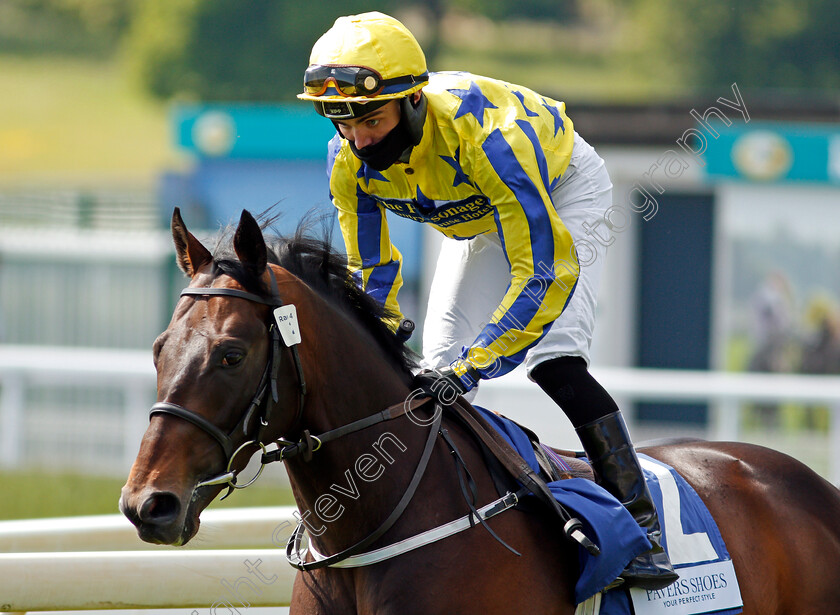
470 491
293 553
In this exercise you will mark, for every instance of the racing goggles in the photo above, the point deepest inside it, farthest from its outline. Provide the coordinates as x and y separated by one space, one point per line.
350 80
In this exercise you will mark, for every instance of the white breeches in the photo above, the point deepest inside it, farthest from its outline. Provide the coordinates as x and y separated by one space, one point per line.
473 275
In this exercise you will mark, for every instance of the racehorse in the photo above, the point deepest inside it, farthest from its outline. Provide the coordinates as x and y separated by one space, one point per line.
227 385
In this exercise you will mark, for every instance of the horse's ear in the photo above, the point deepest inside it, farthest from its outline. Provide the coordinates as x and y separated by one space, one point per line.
191 255
249 244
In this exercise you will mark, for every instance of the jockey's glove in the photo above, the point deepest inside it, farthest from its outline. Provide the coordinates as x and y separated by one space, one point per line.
442 384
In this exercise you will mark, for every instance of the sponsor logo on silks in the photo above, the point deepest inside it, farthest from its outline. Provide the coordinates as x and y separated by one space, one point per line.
406 208
444 214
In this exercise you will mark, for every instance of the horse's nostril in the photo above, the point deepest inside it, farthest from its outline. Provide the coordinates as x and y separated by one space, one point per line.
160 508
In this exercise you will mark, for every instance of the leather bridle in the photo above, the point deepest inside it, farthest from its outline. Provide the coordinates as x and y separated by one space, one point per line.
250 430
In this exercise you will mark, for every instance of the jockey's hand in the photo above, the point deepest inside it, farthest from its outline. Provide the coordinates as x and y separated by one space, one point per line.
441 384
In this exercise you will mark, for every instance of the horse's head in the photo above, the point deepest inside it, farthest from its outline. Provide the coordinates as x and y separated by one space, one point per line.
227 383
221 369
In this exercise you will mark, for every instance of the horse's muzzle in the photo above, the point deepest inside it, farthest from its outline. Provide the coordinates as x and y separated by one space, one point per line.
159 517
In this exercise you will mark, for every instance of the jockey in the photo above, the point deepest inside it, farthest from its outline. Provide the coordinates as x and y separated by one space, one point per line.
500 171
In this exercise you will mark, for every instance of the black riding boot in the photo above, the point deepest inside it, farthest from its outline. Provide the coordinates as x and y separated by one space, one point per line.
617 469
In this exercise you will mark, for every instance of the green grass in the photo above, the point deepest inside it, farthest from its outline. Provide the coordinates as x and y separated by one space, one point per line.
76 119
590 79
30 495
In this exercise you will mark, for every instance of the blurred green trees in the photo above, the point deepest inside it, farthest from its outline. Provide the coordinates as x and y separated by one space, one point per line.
255 50
778 44
66 27
227 49
558 10
761 44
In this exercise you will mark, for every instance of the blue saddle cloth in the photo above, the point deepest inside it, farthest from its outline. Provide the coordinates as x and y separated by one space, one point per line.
707 582
605 521
690 535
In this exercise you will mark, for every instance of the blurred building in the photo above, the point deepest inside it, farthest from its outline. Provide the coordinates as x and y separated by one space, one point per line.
722 194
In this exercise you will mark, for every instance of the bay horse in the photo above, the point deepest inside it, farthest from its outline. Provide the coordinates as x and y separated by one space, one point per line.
227 386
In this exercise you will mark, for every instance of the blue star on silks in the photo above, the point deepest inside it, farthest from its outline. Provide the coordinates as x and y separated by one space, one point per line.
460 176
528 112
472 101
558 121
425 205
369 173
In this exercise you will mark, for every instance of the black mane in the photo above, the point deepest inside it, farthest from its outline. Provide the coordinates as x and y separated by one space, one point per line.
316 263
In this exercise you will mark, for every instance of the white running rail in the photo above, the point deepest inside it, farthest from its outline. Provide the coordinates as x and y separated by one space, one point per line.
99 563
132 371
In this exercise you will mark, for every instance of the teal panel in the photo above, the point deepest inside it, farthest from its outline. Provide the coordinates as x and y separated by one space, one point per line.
774 152
258 132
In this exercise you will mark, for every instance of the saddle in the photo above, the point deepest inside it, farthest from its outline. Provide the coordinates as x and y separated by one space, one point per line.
557 464
554 465
699 544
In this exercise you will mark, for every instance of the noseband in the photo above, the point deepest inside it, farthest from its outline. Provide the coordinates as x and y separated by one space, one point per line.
259 407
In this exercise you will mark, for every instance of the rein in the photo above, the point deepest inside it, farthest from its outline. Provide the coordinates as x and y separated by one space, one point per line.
293 552
306 447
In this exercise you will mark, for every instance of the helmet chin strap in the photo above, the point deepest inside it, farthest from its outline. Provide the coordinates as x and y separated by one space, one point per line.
414 116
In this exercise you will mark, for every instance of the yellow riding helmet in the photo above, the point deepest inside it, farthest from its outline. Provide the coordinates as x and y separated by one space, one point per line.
362 59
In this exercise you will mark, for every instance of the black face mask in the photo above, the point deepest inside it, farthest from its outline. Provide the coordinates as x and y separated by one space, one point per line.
382 155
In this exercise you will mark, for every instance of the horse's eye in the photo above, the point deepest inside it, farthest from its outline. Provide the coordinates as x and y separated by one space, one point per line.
232 358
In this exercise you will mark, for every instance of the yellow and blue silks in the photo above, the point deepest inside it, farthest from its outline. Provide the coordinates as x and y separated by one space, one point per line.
490 156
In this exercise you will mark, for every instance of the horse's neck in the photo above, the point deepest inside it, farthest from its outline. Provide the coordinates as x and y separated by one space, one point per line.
354 377
348 374
349 378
